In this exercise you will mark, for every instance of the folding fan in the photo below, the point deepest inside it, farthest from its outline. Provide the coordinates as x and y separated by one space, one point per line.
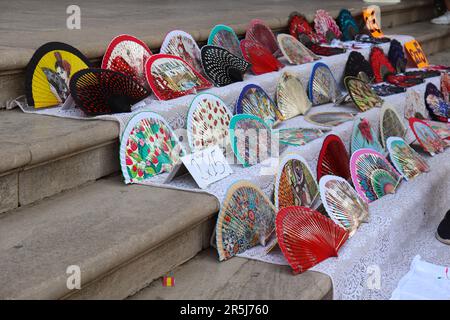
348 25
208 122
385 89
295 185
438 109
171 77
322 87
183 45
291 96
414 105
258 31
441 128
221 66
306 237
366 38
372 175
333 158
254 100
261 60
300 28
391 124
356 63
372 18
148 147
325 26
430 141
128 55
294 51
49 71
363 136
329 119
225 37
247 217
298 136
405 159
396 56
101 91
381 66
324 50
362 94
342 203
445 86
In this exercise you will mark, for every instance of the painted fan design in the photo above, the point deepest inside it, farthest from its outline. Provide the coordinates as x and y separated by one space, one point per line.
348 25
294 51
148 147
430 141
300 28
372 18
325 26
397 57
324 50
333 158
247 218
298 136
356 63
438 109
291 96
225 37
128 55
372 175
414 105
342 203
391 124
208 122
221 66
306 237
364 137
295 185
258 31
322 87
261 60
101 91
442 129
329 119
384 89
171 77
362 94
49 71
381 66
445 86
405 159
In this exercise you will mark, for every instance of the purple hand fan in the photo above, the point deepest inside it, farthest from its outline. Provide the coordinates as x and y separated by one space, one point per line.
396 56
436 106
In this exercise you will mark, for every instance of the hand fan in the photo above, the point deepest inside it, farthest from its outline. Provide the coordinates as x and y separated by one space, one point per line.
221 66
294 183
404 81
291 96
225 37
381 66
366 38
294 51
181 44
372 18
430 141
333 158
49 71
247 217
396 56
362 94
258 31
423 74
128 55
441 128
445 86
363 136
414 105
366 168
148 147
102 91
324 50
325 26
438 109
391 124
298 136
208 122
356 63
384 90
342 203
251 139
261 60
300 28
254 100
405 159
171 77
306 237
322 87
329 119
348 25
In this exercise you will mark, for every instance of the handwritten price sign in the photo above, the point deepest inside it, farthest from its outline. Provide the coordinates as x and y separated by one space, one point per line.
416 53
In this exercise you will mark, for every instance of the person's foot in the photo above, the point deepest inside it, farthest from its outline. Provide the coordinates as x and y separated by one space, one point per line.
444 19
443 230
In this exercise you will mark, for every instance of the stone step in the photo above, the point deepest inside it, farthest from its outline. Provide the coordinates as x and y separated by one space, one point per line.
121 237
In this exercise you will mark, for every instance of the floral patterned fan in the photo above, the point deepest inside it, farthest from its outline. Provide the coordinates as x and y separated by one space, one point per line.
437 107
348 25
362 94
391 124
322 87
261 60
225 37
364 136
333 158
294 51
291 96
258 31
430 141
414 105
300 28
325 26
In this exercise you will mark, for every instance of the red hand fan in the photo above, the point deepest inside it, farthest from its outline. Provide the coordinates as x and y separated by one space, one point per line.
381 66
306 237
403 81
333 158
260 58
258 31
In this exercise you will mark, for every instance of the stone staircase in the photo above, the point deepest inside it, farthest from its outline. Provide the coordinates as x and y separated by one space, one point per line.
62 201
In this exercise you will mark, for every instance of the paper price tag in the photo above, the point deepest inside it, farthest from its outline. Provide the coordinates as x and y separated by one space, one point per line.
416 53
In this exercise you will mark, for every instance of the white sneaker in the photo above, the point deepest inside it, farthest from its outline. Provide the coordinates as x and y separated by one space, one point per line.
444 19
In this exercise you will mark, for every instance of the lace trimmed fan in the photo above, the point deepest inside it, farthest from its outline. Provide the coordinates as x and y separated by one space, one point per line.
294 51
225 37
325 26
261 60
364 137
391 124
362 94
258 31
430 141
396 56
322 86
333 158
291 96
438 109
356 63
348 25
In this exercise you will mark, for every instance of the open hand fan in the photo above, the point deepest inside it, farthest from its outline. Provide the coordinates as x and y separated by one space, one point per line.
300 28
342 203
261 60
298 136
306 237
325 26
208 122
348 25
404 80
384 89
405 159
372 18
381 66
391 124
171 77
49 71
148 147
258 31
291 96
414 105
362 94
247 218
329 119
445 86
333 158
324 50
437 107
396 56
221 66
294 51
441 128
430 141
363 136
356 63
372 175
101 91
225 37
295 185
322 86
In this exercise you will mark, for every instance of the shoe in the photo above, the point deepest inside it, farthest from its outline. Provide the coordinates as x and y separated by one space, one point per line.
443 230
444 19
